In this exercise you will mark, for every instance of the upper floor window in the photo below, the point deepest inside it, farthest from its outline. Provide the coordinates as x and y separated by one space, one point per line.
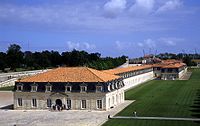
83 88
68 88
19 87
99 88
48 87
34 87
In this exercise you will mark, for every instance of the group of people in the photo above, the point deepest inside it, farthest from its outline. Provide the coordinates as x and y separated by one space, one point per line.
59 107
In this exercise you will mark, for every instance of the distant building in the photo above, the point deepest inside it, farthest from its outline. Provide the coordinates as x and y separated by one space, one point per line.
169 69
77 88
197 61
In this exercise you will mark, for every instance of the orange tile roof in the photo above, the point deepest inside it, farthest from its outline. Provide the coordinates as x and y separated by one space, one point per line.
196 60
176 65
170 64
71 74
127 69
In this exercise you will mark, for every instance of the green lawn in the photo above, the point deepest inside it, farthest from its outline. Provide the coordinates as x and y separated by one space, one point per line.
7 88
163 98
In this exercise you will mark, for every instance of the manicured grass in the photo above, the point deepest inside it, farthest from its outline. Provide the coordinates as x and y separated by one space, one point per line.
163 98
10 88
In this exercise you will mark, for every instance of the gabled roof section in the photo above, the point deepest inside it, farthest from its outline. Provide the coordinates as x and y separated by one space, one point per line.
71 74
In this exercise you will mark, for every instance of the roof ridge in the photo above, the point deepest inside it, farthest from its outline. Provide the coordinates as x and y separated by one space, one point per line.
90 69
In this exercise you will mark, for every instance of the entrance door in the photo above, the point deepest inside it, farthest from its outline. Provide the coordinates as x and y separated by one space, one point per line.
58 102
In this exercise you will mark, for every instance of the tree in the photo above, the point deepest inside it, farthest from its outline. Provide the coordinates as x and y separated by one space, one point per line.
2 61
14 56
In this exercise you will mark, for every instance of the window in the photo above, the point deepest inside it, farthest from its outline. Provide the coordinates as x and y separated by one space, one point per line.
19 87
34 88
113 86
19 100
34 102
113 99
99 88
48 103
83 88
68 103
83 104
48 88
99 104
68 88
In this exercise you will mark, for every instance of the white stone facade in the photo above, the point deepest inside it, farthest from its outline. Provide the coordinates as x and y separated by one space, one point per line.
136 80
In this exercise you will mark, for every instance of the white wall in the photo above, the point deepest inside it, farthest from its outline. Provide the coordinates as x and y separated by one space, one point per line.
136 80
114 98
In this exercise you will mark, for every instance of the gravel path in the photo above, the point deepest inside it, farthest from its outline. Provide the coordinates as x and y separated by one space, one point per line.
156 118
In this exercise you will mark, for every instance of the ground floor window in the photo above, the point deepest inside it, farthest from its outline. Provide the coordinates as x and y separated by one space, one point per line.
83 104
34 102
19 100
99 104
48 103
68 103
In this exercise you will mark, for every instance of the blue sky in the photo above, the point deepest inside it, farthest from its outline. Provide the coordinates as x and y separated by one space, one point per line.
111 27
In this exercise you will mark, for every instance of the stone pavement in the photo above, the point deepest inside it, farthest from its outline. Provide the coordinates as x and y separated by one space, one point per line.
6 98
48 118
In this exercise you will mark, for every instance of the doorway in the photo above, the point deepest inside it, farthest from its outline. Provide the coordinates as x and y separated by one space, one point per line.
59 102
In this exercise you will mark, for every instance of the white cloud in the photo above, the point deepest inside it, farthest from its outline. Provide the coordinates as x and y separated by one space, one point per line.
170 5
170 41
114 7
147 43
120 45
142 7
80 46
140 44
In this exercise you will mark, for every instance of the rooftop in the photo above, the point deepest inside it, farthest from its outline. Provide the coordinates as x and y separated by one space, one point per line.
71 74
127 69
170 64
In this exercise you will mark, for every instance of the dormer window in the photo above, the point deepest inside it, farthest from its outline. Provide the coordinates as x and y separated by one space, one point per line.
19 87
83 88
34 87
99 88
48 87
68 87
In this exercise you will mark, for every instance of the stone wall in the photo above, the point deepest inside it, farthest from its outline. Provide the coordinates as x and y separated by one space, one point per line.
76 98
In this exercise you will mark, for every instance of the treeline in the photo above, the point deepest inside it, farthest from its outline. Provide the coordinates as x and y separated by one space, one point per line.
186 58
14 59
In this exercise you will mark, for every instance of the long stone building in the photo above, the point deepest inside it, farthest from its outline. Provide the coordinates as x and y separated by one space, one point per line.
82 88
77 88
133 76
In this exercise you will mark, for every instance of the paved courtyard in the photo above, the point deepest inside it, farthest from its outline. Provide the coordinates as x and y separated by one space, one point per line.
46 118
